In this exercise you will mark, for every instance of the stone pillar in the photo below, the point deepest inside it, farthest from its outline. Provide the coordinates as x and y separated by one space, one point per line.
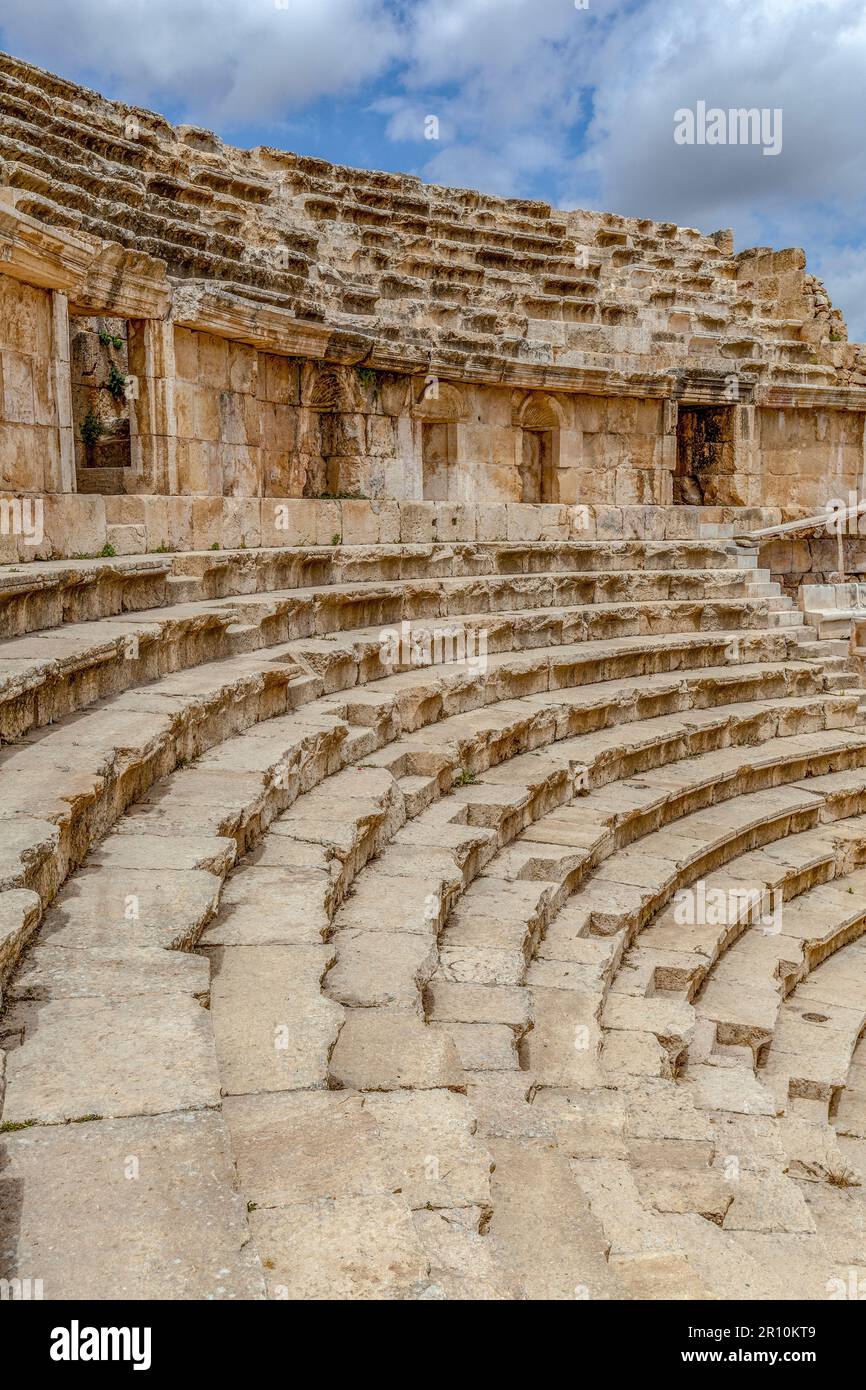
746 466
670 420
666 454
61 385
154 440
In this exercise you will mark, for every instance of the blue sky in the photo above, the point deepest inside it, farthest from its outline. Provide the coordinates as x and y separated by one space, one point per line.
534 98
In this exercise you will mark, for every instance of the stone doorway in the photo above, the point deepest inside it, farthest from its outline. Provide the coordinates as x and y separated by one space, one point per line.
538 481
705 455
101 414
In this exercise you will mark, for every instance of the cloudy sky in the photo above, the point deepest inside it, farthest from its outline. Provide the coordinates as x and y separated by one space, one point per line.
568 100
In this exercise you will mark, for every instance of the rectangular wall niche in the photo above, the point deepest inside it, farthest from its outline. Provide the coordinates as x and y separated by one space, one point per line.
438 454
101 413
706 454
538 467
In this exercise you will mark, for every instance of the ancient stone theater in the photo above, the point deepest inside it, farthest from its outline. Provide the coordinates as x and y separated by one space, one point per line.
432 749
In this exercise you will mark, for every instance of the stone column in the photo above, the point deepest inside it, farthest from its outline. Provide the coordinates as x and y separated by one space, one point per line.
154 441
670 420
61 385
746 466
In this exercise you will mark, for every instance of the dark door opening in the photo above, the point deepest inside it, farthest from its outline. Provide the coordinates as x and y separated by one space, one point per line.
705 455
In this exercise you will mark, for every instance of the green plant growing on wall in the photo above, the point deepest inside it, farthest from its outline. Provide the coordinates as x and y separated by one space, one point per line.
369 381
91 428
107 340
116 383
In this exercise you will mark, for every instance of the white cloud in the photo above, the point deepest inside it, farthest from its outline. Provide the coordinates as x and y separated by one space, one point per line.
221 61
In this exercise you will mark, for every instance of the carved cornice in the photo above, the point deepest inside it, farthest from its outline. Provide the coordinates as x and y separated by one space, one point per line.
36 254
104 277
98 276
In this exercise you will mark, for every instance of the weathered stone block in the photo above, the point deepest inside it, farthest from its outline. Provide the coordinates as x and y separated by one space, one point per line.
581 522
359 524
555 523
682 523
75 523
186 354
208 529
243 368
288 521
127 539
17 403
523 522
492 522
417 522
328 522
124 509
278 380
242 523
207 414
389 522
213 362
381 436
177 1208
608 521
455 523
168 522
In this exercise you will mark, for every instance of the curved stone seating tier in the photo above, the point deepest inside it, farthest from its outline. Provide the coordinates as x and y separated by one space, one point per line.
229 796
568 979
389 952
65 785
649 1029
48 594
60 591
401 264
51 673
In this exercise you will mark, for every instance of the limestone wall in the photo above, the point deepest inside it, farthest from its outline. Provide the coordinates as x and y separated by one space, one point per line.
218 424
83 525
35 433
251 424
808 457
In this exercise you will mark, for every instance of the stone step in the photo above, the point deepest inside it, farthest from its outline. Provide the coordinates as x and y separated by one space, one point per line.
50 674
57 591
183 714
784 617
399 1025
821 1020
